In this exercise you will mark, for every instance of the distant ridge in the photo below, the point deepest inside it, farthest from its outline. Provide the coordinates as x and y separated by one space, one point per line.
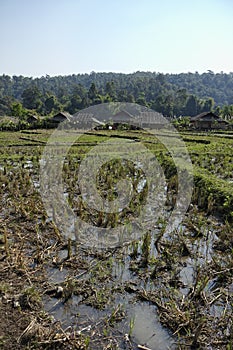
218 86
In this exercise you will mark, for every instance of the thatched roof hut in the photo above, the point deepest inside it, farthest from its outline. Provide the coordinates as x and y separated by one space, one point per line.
208 121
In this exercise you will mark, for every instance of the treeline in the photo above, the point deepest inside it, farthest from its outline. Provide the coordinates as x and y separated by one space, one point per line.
174 95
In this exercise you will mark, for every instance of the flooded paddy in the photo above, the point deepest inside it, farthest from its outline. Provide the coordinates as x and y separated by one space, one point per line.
163 290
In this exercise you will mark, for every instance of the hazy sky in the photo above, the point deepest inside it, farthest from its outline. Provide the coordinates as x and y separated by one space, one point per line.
61 37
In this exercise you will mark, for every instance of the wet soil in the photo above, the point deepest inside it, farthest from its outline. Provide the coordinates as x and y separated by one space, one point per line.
163 290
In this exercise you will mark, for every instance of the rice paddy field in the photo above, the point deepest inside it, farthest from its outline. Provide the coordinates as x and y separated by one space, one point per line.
164 290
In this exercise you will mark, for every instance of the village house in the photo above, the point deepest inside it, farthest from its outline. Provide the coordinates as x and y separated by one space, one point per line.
208 121
119 119
152 120
32 119
61 117
84 120
122 118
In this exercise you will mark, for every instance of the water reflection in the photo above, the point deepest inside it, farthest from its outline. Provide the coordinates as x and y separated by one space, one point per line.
147 330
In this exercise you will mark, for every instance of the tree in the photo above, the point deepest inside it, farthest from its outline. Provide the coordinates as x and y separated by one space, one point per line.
180 102
51 104
32 98
161 78
79 90
17 110
5 105
85 103
208 105
168 106
158 104
75 104
72 92
141 100
227 112
130 98
191 106
92 92
110 90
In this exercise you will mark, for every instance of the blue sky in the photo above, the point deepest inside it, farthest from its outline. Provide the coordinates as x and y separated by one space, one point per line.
61 37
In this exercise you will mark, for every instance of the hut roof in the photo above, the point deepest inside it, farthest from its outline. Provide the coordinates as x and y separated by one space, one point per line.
32 118
62 115
204 115
207 116
124 115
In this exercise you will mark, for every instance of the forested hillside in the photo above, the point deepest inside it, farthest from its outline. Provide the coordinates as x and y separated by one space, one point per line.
183 94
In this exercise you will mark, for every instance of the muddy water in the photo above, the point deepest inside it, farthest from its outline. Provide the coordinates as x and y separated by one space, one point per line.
145 328
141 319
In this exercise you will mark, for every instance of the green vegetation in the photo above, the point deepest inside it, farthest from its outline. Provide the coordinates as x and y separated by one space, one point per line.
186 274
171 94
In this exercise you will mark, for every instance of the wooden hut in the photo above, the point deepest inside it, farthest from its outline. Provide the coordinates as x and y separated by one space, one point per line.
61 117
32 119
208 121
